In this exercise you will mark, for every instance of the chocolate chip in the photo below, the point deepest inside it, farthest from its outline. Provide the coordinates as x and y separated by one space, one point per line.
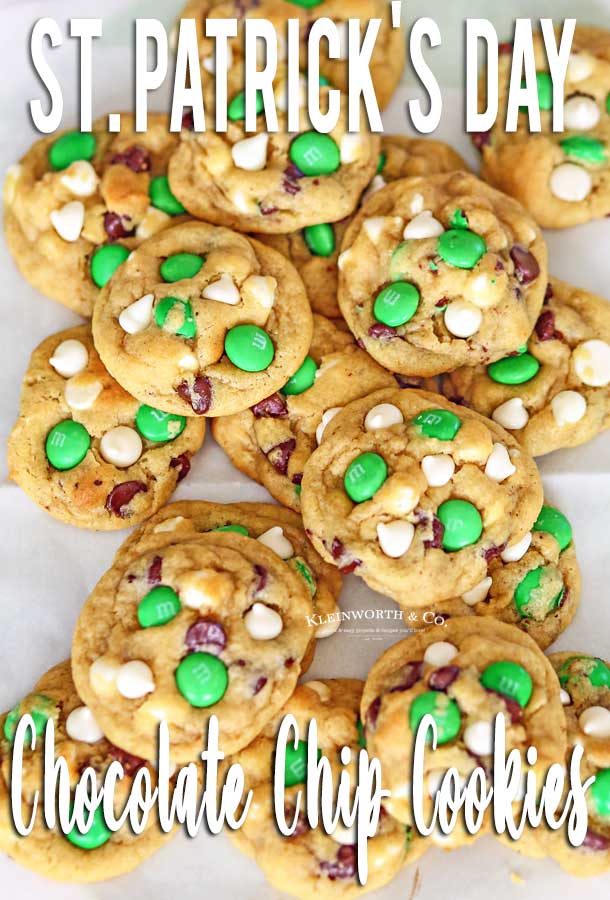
182 463
154 571
279 456
410 676
545 327
505 47
268 210
548 294
293 172
188 120
514 710
372 712
382 332
302 826
436 541
441 678
493 552
273 407
298 478
344 864
259 684
403 382
114 227
261 581
135 158
206 634
594 841
198 394
337 550
130 763
290 187
481 139
121 495
526 264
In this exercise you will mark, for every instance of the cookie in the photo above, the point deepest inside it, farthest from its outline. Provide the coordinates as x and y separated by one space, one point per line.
311 862
99 853
216 625
463 673
85 450
314 251
415 495
78 203
563 178
556 392
441 271
272 441
203 321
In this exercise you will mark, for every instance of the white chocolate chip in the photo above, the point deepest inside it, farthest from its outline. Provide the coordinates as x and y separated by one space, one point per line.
570 182
326 417
154 220
263 623
417 204
188 363
275 539
423 225
376 184
121 446
69 220
13 173
595 721
260 289
580 113
591 361
478 593
223 291
138 315
440 653
325 629
395 538
102 675
70 358
343 258
244 203
517 551
251 153
135 679
209 62
351 147
81 726
80 178
462 318
383 415
438 469
321 689
498 466
511 415
568 407
205 588
565 697
344 835
478 738
168 524
374 227
580 66
81 392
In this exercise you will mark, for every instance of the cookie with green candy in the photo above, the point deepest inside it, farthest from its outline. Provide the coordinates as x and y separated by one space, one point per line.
78 203
416 495
202 321
440 271
97 853
84 449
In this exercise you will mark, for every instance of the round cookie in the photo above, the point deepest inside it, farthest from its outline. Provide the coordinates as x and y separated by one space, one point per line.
100 854
314 251
203 321
556 393
311 862
415 495
441 271
217 625
85 450
563 178
463 673
78 203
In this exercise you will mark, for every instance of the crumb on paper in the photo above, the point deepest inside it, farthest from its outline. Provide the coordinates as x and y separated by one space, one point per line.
516 878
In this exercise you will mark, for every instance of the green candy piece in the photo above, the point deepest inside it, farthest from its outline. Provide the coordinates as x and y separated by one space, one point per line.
249 348
361 737
181 266
544 85
458 219
295 768
600 792
158 426
237 107
461 248
441 424
70 147
396 303
202 679
297 490
521 349
95 836
320 239
236 529
444 711
580 146
305 572
315 154
608 104
514 369
302 379
164 307
306 4
462 524
382 161
67 445
105 261
525 589
40 711
162 198
158 607
554 522
364 476
599 674
509 679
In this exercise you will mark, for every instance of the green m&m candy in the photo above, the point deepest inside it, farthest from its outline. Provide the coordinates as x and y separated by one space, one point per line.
158 607
305 572
396 303
600 792
441 424
40 708
462 524
295 766
306 4
158 426
514 369
381 163
315 154
580 146
180 266
249 348
544 85
302 379
70 147
461 248
554 522
236 529
608 104
162 198
530 593
443 709
176 316
320 239
509 679
236 109
96 834
67 445
361 737
202 679
105 261
595 670
458 219
364 476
